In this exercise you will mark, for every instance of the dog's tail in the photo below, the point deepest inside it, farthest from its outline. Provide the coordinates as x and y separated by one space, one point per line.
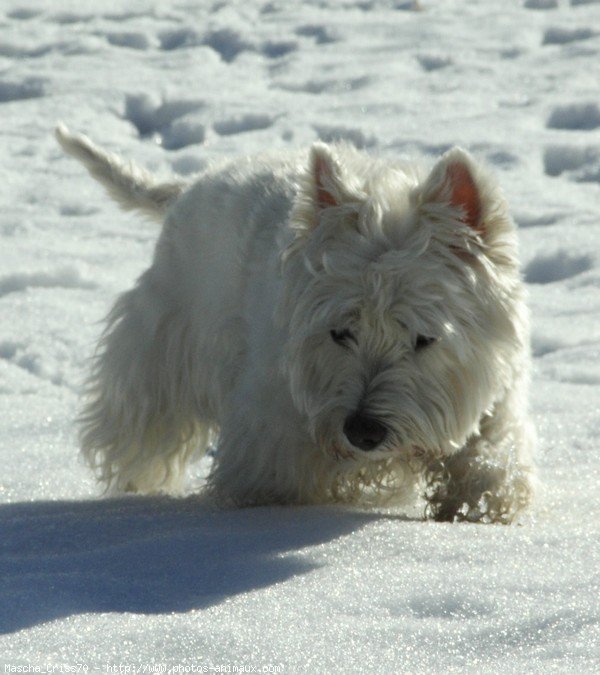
129 185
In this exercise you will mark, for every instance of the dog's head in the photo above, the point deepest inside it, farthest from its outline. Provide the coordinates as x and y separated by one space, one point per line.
402 303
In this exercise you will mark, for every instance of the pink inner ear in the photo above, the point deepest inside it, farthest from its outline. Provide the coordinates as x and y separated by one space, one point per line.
465 194
324 197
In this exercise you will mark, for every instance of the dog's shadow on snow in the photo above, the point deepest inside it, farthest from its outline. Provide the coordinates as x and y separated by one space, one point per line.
149 555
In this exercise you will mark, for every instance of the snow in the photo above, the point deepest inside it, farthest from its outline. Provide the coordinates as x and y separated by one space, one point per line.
174 582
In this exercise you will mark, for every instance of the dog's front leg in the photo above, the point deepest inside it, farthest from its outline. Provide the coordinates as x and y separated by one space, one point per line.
264 454
491 479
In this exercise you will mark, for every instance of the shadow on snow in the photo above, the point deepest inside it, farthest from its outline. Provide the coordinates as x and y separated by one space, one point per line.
149 555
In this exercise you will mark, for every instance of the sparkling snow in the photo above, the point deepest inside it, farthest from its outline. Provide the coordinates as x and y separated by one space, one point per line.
174 583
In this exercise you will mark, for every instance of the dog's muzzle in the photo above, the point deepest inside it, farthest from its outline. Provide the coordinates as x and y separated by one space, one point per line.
364 433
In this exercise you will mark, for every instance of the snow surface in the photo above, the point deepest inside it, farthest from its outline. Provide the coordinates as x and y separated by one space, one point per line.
176 85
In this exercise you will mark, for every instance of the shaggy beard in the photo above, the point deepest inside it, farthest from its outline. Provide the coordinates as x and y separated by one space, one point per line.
326 428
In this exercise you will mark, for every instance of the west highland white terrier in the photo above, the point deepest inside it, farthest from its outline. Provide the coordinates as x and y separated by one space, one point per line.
348 327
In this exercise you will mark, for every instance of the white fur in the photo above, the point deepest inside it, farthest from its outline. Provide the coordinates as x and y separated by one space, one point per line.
229 331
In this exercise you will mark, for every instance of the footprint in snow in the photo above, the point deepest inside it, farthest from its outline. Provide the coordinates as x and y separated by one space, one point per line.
242 124
22 356
431 62
575 116
332 134
561 36
227 43
542 345
131 40
275 49
333 86
179 38
66 277
545 269
543 220
540 4
321 34
31 87
580 163
165 121
23 14
70 18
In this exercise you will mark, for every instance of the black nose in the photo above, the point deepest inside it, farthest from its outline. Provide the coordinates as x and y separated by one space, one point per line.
364 432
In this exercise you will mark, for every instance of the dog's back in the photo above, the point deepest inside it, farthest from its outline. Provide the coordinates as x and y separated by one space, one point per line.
212 285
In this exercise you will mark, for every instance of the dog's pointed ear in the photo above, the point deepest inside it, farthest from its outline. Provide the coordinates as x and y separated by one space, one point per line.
323 186
453 182
326 177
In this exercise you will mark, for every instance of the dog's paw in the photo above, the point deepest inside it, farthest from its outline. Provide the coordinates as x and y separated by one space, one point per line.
477 491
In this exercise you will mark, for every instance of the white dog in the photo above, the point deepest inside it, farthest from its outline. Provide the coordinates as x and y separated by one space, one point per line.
348 326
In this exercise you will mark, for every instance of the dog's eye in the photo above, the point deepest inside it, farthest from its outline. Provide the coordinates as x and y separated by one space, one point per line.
423 341
342 337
